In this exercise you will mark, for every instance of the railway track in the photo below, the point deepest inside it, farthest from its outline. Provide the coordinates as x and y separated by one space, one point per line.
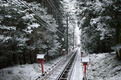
66 73
62 69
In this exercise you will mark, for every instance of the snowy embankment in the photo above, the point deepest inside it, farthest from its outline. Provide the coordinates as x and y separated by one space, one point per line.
26 72
101 67
104 67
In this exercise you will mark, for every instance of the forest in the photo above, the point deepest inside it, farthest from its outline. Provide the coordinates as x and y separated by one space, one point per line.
30 27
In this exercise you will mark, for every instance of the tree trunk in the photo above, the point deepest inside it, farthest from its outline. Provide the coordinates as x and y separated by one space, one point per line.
30 57
15 58
118 40
24 58
1 65
109 47
35 57
47 55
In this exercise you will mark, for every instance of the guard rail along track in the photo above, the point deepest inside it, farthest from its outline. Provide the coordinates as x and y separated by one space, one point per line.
62 69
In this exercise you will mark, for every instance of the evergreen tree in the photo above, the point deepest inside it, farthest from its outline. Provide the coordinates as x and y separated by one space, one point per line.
24 32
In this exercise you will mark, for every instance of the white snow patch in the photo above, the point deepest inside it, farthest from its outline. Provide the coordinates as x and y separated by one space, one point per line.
26 72
104 66
8 27
2 37
9 16
34 25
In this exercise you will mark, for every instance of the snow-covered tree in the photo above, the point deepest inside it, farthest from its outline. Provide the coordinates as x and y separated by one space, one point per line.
26 30
96 22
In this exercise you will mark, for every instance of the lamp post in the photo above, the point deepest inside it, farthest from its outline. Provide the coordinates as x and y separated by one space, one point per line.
63 52
85 61
73 37
82 54
40 58
67 31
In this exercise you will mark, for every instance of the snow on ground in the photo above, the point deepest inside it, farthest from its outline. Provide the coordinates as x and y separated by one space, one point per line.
26 72
104 67
77 73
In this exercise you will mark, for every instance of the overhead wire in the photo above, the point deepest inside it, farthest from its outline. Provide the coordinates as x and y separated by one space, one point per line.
51 4
41 21
58 10
46 24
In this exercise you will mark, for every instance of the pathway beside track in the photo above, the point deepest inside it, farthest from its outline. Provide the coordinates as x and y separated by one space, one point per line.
57 70
77 73
69 68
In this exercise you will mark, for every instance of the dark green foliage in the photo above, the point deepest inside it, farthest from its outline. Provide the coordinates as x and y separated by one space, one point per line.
22 36
99 26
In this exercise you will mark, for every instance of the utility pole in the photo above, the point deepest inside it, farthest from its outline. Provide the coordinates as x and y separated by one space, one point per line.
67 32
73 37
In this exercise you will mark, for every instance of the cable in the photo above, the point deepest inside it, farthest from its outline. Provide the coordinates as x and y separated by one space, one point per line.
54 6
41 21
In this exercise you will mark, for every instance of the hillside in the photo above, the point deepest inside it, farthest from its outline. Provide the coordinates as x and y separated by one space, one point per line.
104 66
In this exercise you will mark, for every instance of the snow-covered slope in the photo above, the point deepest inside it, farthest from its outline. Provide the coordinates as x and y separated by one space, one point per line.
101 67
26 72
104 67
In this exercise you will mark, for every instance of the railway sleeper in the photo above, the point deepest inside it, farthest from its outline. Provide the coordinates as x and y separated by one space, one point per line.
63 79
67 68
64 76
65 72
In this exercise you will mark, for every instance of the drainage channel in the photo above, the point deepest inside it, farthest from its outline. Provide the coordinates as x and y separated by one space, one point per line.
65 73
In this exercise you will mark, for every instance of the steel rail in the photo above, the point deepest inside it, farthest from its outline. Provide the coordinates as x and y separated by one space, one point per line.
60 67
66 73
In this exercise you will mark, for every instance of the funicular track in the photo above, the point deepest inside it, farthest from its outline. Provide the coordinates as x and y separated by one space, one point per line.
65 75
62 69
